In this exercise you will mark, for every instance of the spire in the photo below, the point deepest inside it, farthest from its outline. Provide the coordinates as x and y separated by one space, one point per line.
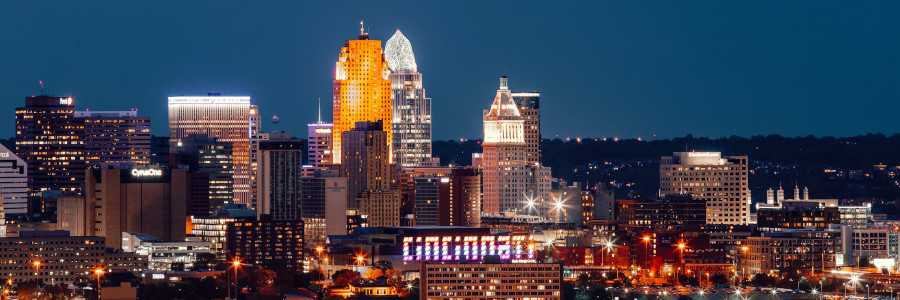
399 54
361 30
320 110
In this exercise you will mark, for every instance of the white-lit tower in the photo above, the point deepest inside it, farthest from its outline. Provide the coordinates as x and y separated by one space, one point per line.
411 110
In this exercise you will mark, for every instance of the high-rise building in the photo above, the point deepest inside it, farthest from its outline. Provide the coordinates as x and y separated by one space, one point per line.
203 154
13 185
279 179
411 110
365 155
444 196
212 228
362 90
119 139
51 141
145 200
719 180
319 143
323 206
506 174
228 119
530 108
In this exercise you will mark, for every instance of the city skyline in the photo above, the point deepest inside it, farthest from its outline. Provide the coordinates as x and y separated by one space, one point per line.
632 69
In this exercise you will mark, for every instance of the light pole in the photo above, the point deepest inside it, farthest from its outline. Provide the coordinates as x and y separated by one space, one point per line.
236 263
37 272
98 272
647 252
743 262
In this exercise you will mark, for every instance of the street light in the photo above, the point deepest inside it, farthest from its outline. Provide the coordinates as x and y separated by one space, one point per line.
37 272
681 253
647 251
98 272
235 263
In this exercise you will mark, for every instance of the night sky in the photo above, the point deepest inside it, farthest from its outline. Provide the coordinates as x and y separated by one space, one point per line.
604 68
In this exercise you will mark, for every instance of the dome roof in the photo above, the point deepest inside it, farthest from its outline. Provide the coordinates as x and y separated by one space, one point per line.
399 54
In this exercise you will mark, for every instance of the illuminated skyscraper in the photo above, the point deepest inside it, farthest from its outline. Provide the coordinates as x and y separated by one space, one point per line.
362 89
411 110
228 119
119 139
51 141
319 146
506 173
530 108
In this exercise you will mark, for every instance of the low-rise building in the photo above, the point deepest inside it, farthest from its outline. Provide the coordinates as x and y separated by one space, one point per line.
164 255
266 240
50 256
490 280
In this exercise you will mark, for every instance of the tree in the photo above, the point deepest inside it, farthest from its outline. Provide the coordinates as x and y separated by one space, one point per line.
205 261
177 266
27 289
719 279
263 280
344 277
383 265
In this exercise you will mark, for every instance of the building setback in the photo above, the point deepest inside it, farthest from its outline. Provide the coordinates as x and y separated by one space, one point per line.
362 90
51 141
119 139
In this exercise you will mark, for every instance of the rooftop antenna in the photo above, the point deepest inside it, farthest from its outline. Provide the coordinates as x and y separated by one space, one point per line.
361 28
320 110
41 82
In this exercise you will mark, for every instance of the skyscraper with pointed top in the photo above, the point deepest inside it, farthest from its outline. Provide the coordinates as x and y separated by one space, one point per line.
506 173
411 110
362 89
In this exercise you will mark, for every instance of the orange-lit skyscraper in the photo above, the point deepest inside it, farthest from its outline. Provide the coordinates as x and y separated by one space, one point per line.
362 89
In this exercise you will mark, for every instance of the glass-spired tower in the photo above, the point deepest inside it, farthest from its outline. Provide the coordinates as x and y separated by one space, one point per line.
411 110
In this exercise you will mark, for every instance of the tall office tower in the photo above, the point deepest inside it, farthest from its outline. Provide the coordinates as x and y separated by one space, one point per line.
51 141
150 201
228 119
13 185
719 180
279 179
530 108
411 110
119 139
362 90
365 155
203 154
505 167
323 206
444 196
538 189
319 142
